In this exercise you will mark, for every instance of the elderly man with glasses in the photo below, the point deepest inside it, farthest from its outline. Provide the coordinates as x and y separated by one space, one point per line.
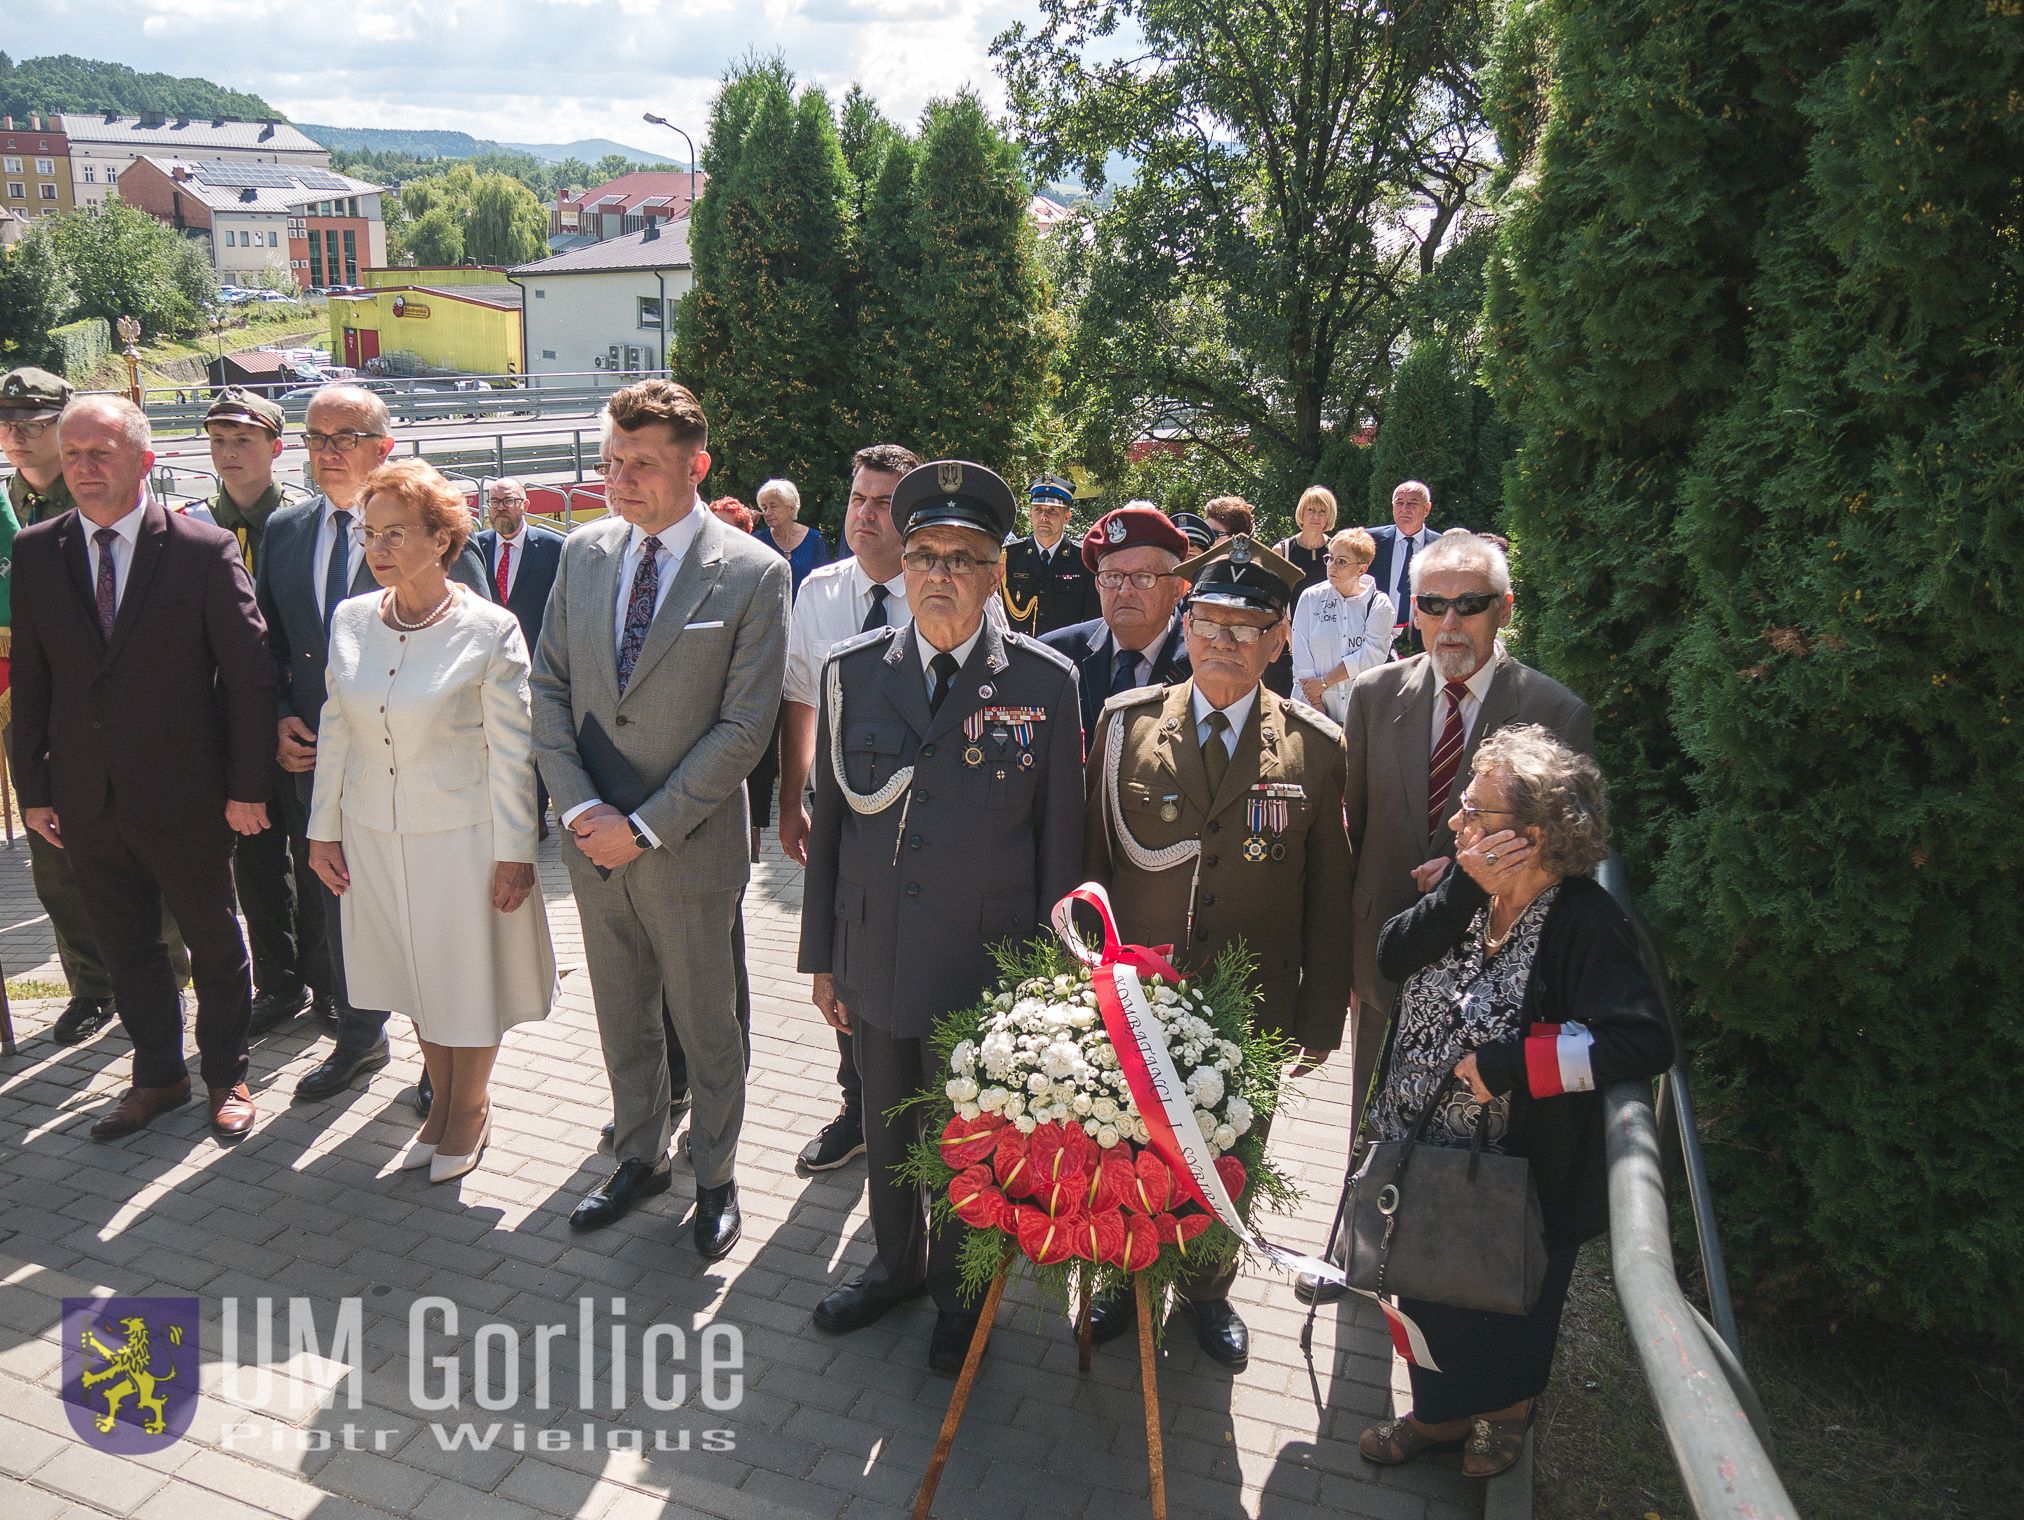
1412 731
1132 554
312 558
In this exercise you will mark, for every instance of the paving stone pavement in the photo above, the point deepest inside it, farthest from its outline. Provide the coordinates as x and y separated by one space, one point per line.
309 1207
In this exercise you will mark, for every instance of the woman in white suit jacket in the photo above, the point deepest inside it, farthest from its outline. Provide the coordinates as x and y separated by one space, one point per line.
1341 628
422 813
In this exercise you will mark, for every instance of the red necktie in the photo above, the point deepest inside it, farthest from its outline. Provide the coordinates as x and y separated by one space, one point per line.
505 564
1447 759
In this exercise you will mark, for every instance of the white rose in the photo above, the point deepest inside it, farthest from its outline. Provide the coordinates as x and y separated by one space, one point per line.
1014 1106
1223 1138
991 1099
1104 1109
1025 1124
1081 1104
1205 1121
1166 997
1106 1137
1036 1083
960 1089
968 1110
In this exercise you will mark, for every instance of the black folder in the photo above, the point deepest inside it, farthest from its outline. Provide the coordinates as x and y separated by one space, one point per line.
610 772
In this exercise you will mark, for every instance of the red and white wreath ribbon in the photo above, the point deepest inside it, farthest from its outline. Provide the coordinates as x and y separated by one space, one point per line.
1162 1097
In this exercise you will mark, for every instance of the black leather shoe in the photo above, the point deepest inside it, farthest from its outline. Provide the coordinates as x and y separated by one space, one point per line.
343 1067
1310 1289
632 1181
840 1139
718 1222
425 1095
1220 1333
271 1009
1111 1315
949 1346
81 1019
323 1008
853 1306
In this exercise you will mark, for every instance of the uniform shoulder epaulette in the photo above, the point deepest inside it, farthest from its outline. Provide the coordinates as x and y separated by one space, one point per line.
1137 696
1328 727
1026 641
873 638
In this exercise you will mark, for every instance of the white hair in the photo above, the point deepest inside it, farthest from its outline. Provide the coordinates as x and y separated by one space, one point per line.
783 488
132 421
1459 549
1417 487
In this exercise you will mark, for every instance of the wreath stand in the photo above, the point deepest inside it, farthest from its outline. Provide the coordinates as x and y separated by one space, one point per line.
1156 1462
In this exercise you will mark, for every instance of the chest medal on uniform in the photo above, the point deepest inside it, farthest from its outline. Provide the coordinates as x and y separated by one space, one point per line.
1006 724
1265 810
1170 808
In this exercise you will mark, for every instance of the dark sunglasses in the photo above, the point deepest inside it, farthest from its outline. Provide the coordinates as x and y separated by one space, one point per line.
1471 605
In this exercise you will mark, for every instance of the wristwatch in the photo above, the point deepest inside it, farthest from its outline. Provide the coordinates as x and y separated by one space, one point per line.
639 834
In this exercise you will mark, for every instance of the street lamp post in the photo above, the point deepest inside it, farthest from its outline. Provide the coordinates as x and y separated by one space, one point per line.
662 121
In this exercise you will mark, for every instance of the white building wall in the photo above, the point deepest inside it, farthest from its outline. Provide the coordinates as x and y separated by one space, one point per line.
239 257
574 321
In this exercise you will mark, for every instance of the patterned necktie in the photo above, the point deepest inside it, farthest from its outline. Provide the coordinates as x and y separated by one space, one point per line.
1123 672
639 608
1447 760
1215 754
337 574
108 586
944 667
505 566
876 618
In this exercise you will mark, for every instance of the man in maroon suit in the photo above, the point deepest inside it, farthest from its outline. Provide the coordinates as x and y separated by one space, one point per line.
144 737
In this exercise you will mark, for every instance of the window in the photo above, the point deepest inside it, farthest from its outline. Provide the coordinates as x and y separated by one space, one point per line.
13 166
315 261
45 166
273 240
548 353
650 312
351 258
90 175
542 295
231 238
49 192
16 191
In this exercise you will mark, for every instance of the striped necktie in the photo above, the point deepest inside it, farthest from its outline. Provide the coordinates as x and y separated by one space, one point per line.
1447 759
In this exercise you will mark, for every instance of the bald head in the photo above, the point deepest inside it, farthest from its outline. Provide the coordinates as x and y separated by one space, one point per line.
506 506
105 445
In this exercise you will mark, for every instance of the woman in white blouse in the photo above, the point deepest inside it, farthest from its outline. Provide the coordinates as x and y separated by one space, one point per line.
1341 627
422 814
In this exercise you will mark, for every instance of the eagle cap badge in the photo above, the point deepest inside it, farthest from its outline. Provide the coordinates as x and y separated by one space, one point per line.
949 475
1115 532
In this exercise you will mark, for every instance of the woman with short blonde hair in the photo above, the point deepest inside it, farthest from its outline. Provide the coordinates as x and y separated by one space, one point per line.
1341 628
1314 516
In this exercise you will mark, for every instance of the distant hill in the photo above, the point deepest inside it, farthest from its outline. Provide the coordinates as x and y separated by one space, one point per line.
590 150
67 83
424 144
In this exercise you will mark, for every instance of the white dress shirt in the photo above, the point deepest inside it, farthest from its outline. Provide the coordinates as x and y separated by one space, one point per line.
675 545
1238 712
1472 704
831 606
518 544
326 535
1400 591
961 652
122 549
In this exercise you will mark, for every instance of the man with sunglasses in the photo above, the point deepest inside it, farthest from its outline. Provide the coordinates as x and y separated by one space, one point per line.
1131 554
1411 732
1214 815
311 558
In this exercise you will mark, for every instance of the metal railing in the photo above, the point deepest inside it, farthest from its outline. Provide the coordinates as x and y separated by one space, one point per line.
421 398
1711 1416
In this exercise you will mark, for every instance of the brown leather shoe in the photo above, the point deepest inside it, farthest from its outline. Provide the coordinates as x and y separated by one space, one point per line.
138 1108
231 1110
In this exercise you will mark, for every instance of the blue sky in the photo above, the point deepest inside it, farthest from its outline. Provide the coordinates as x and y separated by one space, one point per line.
530 70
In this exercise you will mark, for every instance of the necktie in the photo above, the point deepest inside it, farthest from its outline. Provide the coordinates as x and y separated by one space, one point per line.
505 566
337 574
1123 672
1447 760
944 667
1402 598
639 608
876 618
1215 754
108 599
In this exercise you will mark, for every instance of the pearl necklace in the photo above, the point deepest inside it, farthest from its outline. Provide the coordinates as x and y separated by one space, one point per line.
394 612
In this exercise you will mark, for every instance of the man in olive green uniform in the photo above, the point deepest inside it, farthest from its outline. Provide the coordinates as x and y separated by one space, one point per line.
1214 814
31 401
277 892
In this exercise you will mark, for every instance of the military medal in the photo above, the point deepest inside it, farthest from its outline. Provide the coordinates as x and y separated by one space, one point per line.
1254 848
1265 808
973 756
1170 808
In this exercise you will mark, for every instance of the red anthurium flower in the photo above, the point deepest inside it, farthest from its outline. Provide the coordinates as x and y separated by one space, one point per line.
1100 1237
1231 1170
1062 1196
965 1142
1179 1229
1112 1181
1013 1160
1140 1247
978 1202
1045 1241
1153 1189
1079 1150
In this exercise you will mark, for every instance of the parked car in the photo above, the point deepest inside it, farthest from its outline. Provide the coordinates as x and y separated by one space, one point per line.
274 296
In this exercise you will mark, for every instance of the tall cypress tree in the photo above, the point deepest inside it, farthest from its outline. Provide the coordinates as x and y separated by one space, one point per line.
885 402
1428 434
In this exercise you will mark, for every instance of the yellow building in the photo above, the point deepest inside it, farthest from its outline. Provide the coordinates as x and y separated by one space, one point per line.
472 328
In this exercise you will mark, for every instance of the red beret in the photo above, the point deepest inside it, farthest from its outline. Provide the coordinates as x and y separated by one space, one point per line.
1132 528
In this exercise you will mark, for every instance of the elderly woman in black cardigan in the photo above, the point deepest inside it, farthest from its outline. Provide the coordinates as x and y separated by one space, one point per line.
1522 996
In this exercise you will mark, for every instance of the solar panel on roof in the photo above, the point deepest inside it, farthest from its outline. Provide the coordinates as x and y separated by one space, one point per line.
317 179
655 200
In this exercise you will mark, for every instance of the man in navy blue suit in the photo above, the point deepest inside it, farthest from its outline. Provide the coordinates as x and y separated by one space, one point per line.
521 558
1132 553
1397 542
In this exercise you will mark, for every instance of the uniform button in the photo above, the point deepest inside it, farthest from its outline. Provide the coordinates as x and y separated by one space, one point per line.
913 841
927 752
1208 899
96 724
1209 861
920 796
623 720
1201 935
1214 827
913 889
404 638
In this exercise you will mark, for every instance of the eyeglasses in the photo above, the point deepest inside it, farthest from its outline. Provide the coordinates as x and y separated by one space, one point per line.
337 443
1141 580
956 566
391 539
1474 603
1238 633
27 432
509 501
1473 814
1337 562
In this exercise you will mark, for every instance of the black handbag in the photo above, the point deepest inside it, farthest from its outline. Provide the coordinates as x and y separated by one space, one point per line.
1446 1225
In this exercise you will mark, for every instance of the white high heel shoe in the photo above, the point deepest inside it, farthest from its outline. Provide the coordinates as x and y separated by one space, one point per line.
443 1168
419 1154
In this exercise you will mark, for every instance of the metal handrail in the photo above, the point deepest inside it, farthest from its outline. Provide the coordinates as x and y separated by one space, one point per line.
1705 1403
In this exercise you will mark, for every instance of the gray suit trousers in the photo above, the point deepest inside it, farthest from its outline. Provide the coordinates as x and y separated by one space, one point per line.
641 934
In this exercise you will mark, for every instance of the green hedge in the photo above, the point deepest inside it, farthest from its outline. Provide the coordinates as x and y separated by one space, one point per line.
1757 319
84 346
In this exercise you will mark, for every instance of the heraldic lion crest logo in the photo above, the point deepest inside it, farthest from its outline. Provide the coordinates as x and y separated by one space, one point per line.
130 1370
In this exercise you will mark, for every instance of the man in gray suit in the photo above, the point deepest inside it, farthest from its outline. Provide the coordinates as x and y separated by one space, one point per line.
311 558
655 685
948 816
1412 730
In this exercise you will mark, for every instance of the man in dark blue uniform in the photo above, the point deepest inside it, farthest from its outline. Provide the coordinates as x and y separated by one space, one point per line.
1047 586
